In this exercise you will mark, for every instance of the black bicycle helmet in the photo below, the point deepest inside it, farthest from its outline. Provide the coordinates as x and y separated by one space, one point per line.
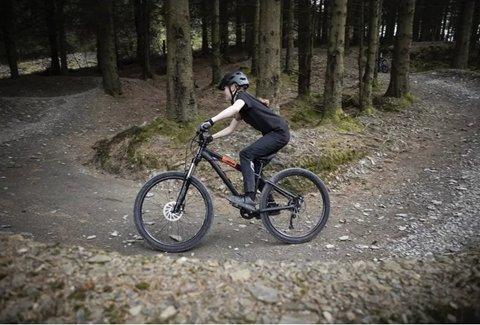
235 77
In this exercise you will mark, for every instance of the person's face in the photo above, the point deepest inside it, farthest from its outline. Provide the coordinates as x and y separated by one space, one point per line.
227 93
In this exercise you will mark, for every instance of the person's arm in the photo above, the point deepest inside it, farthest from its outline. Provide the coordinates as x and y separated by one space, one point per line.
226 113
228 130
229 111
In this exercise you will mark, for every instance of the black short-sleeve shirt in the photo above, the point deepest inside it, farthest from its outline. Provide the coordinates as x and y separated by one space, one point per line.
259 116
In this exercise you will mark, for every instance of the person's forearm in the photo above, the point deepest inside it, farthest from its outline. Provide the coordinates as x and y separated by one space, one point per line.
226 113
228 130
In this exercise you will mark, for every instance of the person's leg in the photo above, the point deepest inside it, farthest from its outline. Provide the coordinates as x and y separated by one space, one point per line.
266 145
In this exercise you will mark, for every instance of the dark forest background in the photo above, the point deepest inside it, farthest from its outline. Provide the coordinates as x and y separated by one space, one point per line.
162 37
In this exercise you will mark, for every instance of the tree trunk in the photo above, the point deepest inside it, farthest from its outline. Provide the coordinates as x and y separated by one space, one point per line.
475 26
256 37
444 21
348 28
463 34
142 24
373 27
52 36
417 21
106 48
238 24
8 30
399 75
326 21
205 21
335 57
250 12
269 51
319 20
224 17
361 49
180 86
62 38
304 47
390 22
216 56
289 34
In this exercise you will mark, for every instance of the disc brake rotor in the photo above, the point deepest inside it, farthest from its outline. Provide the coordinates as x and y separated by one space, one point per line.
168 212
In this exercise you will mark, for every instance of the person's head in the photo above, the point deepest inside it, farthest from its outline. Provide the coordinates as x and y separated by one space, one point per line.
232 82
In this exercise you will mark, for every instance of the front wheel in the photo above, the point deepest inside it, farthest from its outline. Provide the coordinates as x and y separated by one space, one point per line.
162 227
306 205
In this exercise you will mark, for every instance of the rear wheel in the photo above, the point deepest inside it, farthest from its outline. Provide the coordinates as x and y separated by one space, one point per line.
160 226
308 201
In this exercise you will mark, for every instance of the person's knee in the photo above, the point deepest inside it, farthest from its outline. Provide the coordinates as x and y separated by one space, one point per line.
245 154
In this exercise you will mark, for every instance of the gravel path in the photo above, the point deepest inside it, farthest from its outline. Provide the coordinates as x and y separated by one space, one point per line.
53 284
421 199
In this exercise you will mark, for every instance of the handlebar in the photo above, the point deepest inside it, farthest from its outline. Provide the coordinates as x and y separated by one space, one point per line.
203 137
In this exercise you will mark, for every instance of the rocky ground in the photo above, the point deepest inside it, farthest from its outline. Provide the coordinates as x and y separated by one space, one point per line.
50 283
404 219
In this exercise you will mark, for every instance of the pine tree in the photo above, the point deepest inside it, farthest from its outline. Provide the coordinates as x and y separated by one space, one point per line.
289 35
373 34
399 75
269 51
142 24
106 48
305 45
52 36
181 103
62 37
216 56
335 58
8 31
256 36
205 20
463 34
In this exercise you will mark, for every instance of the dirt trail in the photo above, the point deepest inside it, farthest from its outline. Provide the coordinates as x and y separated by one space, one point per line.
422 200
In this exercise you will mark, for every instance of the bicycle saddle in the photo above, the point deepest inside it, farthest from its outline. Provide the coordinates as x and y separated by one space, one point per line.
266 159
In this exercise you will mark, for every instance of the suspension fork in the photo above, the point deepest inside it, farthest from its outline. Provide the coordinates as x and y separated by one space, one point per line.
187 181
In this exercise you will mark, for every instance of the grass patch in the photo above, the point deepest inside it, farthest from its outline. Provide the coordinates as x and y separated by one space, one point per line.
345 123
304 112
113 314
142 286
126 143
392 104
331 160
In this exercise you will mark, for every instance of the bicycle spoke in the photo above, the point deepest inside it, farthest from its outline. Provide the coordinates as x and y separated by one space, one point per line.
180 226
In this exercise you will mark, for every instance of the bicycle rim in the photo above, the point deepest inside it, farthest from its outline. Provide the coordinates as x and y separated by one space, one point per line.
165 229
311 206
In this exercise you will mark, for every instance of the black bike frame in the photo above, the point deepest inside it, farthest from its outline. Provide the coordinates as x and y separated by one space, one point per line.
212 157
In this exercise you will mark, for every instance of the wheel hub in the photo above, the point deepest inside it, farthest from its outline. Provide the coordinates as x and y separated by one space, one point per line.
169 214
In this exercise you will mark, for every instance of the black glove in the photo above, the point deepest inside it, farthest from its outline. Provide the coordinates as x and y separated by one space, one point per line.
209 138
205 125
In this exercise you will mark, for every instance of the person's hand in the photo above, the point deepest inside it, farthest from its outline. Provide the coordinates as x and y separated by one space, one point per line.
205 125
209 138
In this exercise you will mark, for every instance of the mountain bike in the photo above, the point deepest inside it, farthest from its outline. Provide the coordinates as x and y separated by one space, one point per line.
173 211
382 64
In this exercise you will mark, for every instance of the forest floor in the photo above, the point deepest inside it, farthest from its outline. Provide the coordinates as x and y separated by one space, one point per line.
418 198
415 197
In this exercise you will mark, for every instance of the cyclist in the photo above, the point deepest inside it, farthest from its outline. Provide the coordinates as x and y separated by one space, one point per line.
256 113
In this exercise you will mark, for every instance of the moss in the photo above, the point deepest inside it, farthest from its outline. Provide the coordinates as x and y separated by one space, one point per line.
344 122
142 286
113 314
288 80
133 138
392 104
304 112
331 160
431 57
